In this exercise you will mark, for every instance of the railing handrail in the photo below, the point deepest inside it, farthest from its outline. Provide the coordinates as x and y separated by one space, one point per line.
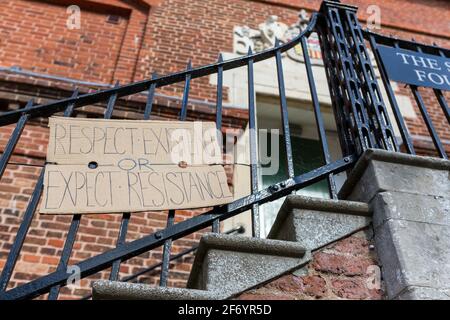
134 248
238 230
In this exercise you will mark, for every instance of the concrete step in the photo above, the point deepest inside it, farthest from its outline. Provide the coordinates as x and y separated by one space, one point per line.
224 265
232 264
315 222
115 290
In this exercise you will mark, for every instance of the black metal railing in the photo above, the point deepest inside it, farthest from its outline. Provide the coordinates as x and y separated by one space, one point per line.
183 254
361 118
377 40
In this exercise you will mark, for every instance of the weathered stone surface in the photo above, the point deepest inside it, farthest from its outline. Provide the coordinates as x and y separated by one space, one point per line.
326 279
114 290
424 293
383 176
413 254
410 200
233 264
314 222
412 207
379 170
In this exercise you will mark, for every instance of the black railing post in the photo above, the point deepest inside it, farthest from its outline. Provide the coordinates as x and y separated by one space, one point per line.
356 95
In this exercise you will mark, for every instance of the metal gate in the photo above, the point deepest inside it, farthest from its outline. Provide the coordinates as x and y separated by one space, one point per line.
360 113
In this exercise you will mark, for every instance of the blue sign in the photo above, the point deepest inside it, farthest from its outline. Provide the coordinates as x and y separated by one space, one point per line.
420 69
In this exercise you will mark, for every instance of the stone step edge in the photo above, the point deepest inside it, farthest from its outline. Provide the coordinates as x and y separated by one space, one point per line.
114 290
320 205
390 157
242 244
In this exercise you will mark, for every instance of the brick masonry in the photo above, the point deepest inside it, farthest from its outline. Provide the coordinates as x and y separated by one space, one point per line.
345 269
151 36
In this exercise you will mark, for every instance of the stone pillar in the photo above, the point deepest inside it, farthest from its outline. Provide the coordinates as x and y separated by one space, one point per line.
410 200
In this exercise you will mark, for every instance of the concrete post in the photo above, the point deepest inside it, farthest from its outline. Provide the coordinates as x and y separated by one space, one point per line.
410 200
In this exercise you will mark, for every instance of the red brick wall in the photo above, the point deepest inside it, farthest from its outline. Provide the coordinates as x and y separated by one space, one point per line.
35 37
341 270
400 14
97 233
201 30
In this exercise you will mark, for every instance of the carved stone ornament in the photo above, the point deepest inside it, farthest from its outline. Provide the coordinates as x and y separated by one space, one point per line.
264 37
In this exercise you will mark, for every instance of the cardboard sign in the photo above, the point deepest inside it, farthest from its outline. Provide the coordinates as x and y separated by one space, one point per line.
106 166
416 68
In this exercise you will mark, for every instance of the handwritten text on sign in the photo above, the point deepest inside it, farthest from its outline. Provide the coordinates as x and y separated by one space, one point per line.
134 169
79 141
78 189
416 68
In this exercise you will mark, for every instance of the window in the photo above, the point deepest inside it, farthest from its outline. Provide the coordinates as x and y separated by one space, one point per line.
306 150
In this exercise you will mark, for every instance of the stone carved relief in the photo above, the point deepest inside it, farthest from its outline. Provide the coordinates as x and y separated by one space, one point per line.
264 37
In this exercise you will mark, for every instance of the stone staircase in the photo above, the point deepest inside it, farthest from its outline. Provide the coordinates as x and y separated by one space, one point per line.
227 265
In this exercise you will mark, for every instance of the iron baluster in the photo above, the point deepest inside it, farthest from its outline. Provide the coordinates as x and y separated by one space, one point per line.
428 122
25 224
406 138
150 97
440 97
319 119
123 229
171 215
12 142
73 229
284 113
176 231
426 117
253 144
443 103
216 223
